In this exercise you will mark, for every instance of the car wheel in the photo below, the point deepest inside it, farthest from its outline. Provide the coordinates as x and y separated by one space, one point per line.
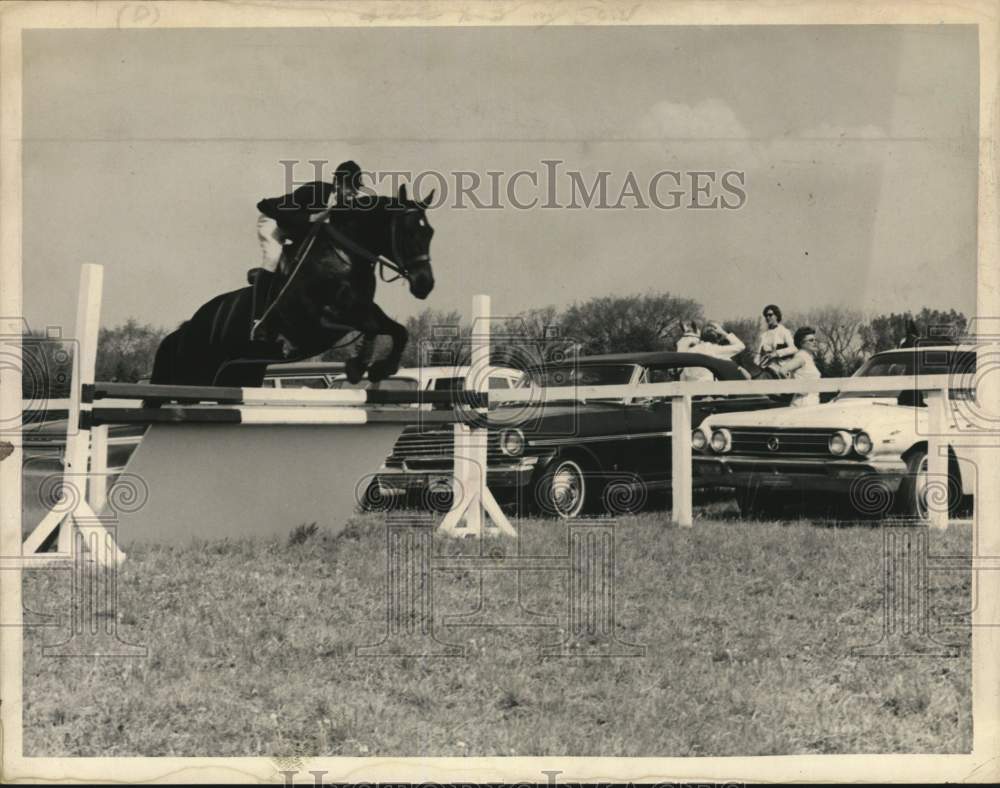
916 487
756 503
564 490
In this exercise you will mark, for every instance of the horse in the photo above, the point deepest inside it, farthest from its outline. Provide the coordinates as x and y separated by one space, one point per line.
326 293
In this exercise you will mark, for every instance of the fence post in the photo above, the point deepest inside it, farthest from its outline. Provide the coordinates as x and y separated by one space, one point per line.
681 468
937 458
77 452
477 502
78 447
98 467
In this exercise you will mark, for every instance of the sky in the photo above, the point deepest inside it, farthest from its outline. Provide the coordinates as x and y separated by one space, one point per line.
147 151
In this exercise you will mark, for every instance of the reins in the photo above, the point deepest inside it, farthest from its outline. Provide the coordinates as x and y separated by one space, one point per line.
342 241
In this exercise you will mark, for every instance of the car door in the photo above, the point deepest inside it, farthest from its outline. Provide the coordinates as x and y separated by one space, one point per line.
647 448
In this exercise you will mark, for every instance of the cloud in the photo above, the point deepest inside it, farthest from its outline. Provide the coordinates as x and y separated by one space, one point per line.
708 119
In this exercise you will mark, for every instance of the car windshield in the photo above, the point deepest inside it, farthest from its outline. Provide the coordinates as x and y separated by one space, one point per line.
579 375
914 365
389 384
303 382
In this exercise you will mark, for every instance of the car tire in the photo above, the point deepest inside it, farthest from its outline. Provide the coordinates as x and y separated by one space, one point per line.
755 503
565 489
911 497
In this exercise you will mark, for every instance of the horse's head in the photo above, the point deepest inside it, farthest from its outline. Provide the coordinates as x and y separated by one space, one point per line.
336 260
410 241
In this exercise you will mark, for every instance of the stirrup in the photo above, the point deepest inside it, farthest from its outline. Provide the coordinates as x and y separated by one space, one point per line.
253 330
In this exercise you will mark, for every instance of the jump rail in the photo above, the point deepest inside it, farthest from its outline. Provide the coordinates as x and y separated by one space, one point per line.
266 396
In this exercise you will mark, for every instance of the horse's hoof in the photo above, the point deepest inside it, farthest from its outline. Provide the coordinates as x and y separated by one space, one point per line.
380 370
354 370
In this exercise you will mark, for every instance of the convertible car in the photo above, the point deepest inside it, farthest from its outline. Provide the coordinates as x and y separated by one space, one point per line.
574 456
868 450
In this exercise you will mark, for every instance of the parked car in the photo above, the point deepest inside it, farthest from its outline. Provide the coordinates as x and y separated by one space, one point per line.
868 449
572 456
303 375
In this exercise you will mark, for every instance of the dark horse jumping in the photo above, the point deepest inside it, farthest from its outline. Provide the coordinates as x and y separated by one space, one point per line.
324 290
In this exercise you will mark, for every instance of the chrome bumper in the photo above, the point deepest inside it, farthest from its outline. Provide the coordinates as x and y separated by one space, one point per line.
396 481
816 475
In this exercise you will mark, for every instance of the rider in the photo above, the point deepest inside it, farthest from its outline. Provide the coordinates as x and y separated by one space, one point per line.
777 342
285 218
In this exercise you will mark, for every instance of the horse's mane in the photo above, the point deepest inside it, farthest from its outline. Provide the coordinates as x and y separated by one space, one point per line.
375 202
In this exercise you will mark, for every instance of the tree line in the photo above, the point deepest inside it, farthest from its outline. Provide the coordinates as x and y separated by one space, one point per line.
651 322
604 324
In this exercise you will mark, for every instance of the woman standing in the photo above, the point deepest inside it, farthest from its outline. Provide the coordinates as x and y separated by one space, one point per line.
802 365
776 343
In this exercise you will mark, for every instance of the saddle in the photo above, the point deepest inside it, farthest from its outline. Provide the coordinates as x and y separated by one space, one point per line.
266 285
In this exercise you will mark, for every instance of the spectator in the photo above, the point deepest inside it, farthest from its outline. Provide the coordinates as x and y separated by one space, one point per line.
689 337
912 335
715 341
777 342
802 366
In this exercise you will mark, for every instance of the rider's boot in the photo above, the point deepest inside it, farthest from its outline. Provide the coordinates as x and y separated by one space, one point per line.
260 280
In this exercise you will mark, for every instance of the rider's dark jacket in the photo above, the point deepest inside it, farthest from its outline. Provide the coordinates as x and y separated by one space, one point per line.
292 211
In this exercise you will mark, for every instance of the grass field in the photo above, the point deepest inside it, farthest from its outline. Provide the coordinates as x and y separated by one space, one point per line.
747 626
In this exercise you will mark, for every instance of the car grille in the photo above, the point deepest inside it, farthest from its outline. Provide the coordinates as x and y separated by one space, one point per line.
790 443
434 450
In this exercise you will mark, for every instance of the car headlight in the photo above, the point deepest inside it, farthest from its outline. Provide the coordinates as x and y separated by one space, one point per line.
722 441
863 443
512 443
840 443
699 440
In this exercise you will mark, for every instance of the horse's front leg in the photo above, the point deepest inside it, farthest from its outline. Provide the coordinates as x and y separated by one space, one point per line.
389 365
356 366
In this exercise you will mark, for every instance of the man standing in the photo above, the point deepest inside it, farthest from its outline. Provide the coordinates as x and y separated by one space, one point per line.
716 342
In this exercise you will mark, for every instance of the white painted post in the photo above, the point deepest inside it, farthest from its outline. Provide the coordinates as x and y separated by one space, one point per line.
680 450
937 457
480 357
479 373
471 444
88 323
98 467
78 440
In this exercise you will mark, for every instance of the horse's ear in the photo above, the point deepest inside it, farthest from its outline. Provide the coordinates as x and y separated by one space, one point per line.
426 202
402 192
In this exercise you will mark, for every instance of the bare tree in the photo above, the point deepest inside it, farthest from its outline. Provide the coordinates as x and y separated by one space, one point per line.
838 336
613 324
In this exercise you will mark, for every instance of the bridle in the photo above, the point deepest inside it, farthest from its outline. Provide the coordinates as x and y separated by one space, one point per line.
342 243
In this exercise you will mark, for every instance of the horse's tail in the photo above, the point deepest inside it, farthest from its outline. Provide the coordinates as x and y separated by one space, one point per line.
165 360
